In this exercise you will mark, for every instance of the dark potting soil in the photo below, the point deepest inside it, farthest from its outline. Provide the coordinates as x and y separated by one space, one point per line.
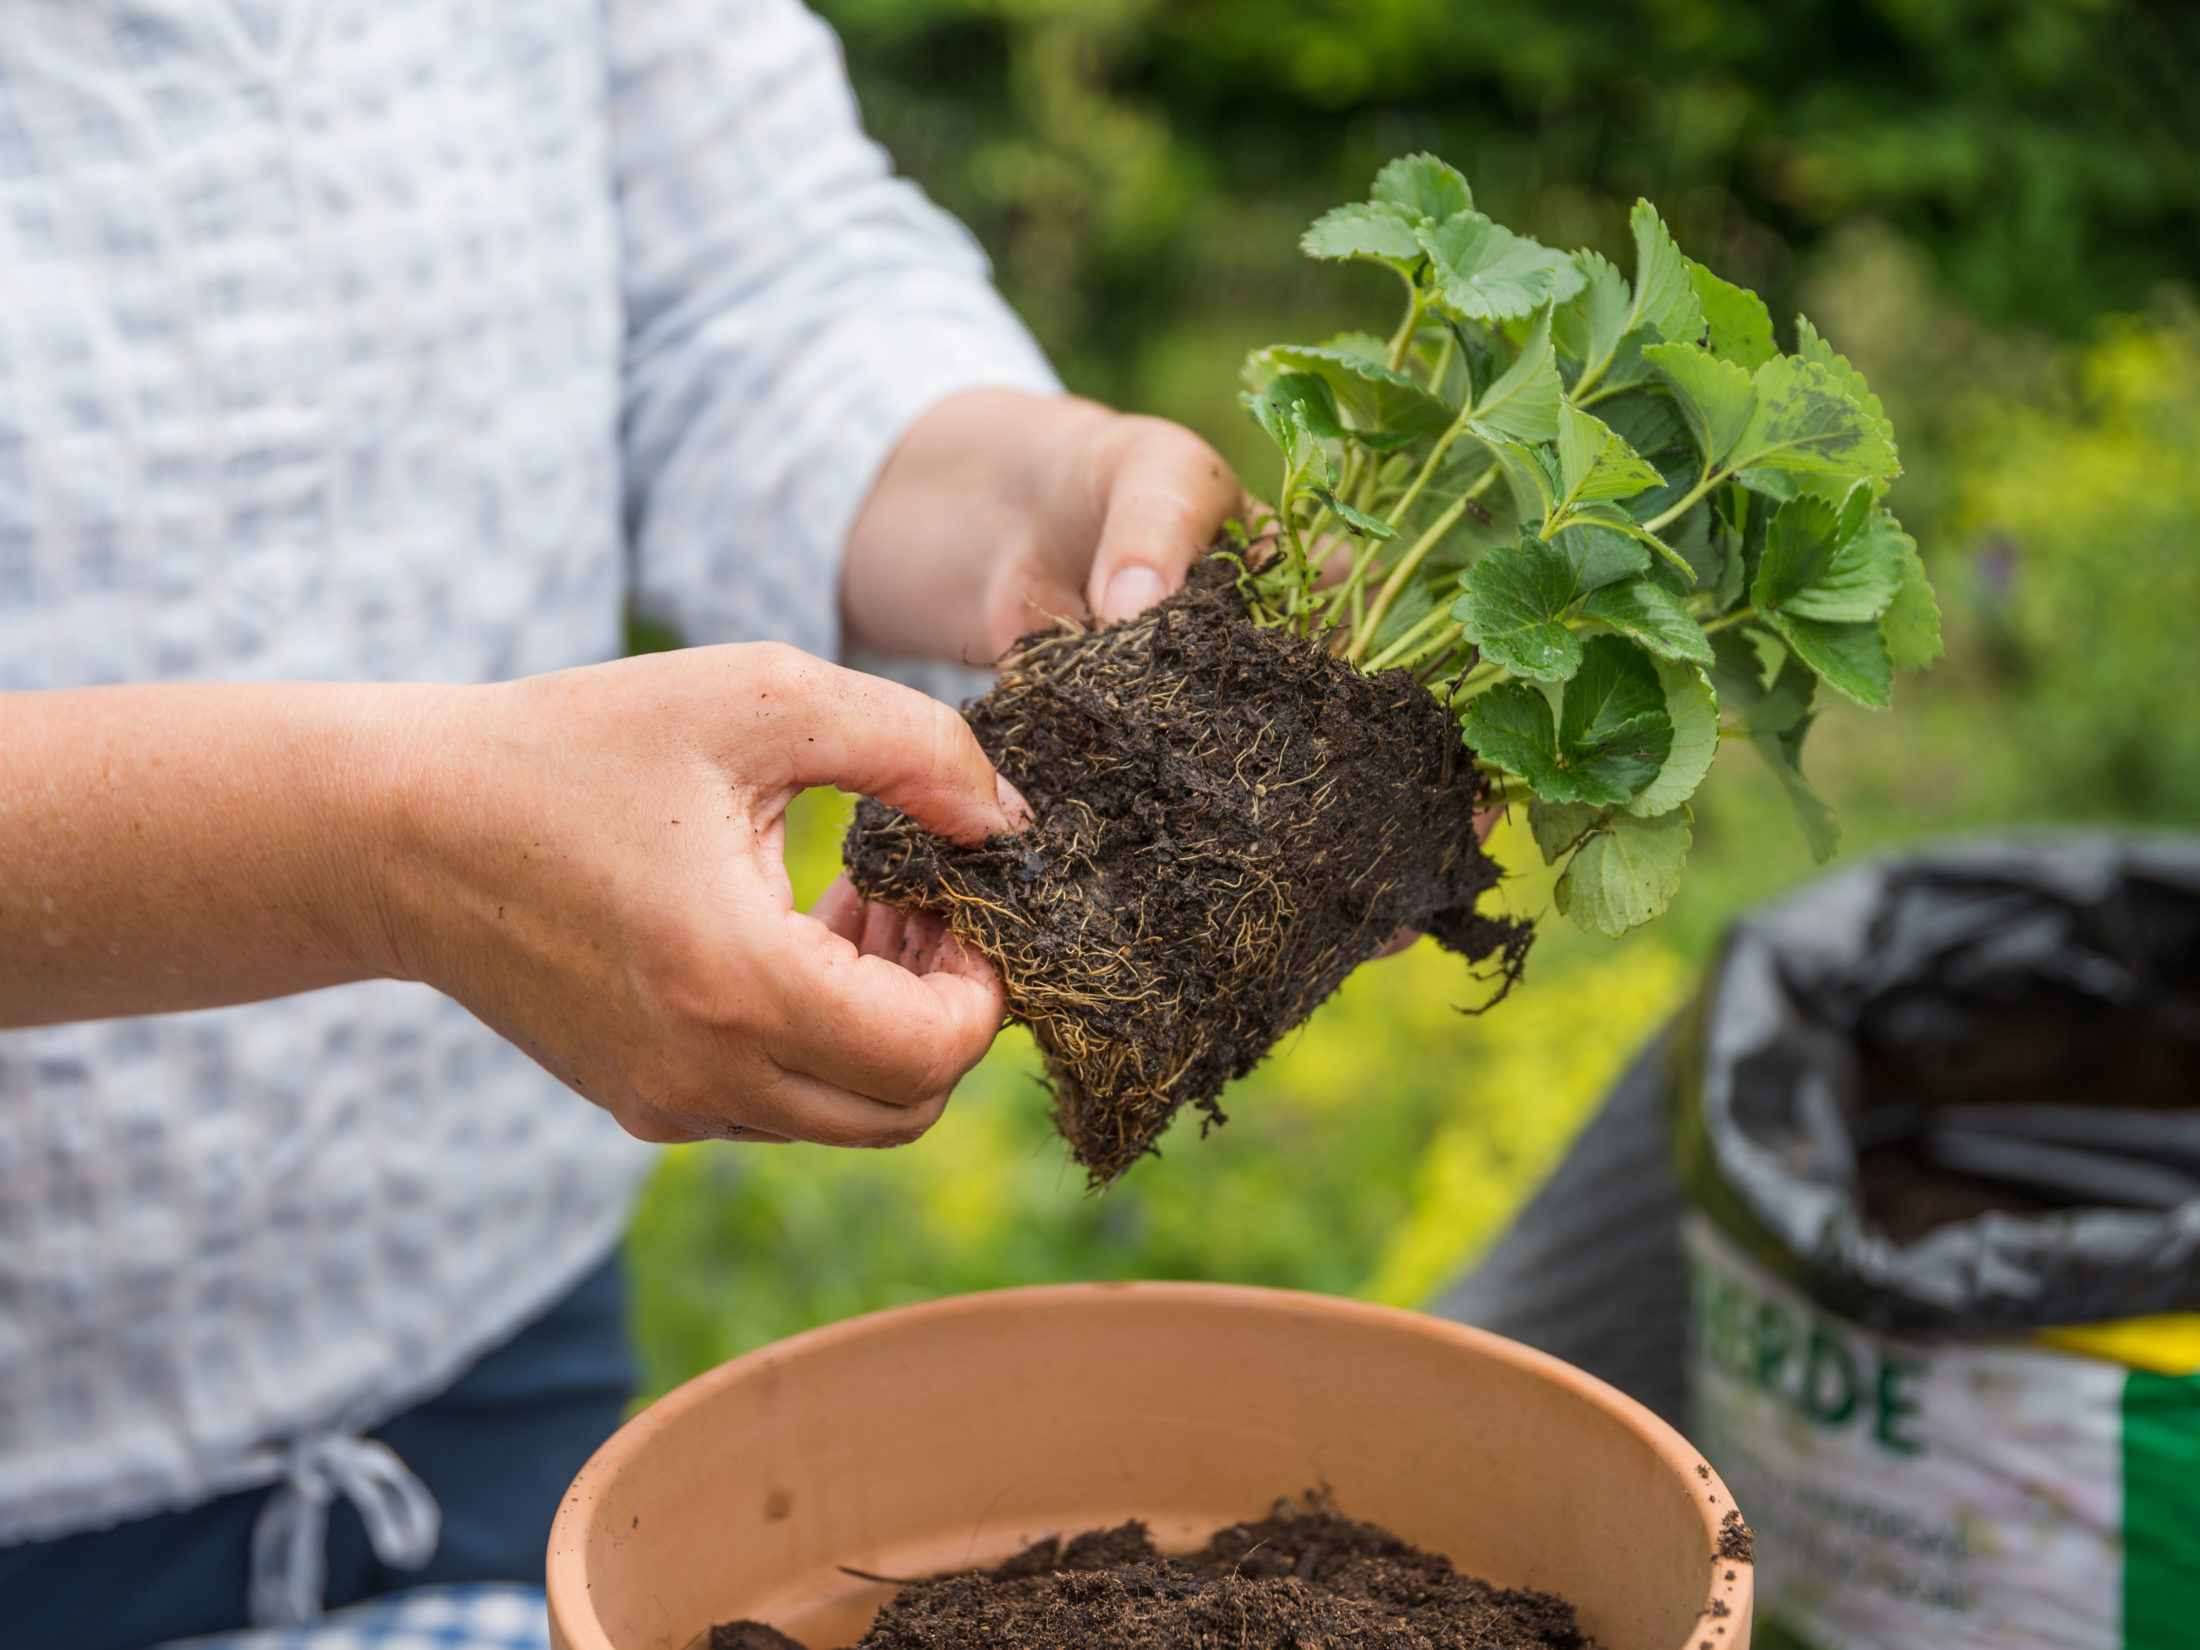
1290 1581
1905 1197
2017 1038
1228 821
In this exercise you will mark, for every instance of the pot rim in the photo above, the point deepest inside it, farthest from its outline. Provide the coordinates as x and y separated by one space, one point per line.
573 1622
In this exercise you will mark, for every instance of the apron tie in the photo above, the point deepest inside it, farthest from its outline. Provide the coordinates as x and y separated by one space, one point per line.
290 1537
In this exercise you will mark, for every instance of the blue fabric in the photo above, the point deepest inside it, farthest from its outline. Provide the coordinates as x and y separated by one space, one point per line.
497 1450
475 1615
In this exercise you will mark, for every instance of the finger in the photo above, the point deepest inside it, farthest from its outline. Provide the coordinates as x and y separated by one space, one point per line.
790 1109
882 931
841 909
878 738
663 1127
1400 941
871 1026
805 1109
921 933
1168 494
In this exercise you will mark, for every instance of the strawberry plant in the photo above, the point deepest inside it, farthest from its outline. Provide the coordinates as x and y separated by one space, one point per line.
1544 544
1606 519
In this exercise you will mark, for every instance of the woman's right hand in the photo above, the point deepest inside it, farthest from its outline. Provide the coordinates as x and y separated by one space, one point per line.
594 864
591 861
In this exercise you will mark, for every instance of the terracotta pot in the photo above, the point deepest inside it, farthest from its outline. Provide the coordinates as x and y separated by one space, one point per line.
952 1434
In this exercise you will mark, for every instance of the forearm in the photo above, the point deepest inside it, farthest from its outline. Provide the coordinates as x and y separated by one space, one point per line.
187 846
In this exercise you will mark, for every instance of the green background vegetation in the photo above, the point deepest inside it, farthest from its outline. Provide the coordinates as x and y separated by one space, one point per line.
1993 206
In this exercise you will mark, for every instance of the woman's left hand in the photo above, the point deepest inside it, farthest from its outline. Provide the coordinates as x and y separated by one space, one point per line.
1001 512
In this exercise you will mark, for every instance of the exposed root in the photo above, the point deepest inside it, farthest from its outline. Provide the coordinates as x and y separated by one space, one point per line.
1228 821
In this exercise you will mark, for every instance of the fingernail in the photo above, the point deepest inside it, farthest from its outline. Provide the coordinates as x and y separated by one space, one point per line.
1130 593
1013 806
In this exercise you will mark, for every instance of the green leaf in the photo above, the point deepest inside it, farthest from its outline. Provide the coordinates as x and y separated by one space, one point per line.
1272 418
1693 708
1613 732
1365 345
1716 397
1373 230
1531 473
1783 754
1602 556
1850 658
1647 420
1707 553
1510 607
1558 826
1740 677
1911 624
1810 570
1612 737
1511 725
1625 874
1653 616
1480 358
1805 420
1739 325
1619 519
1423 187
1313 399
1810 346
1306 461
1484 272
1665 296
1358 521
1368 394
1524 402
1594 463
1591 326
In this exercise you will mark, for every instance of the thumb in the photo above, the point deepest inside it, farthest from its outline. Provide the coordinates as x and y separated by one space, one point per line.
1167 496
867 735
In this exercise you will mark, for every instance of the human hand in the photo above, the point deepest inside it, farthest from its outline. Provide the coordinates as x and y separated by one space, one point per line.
1001 512
593 862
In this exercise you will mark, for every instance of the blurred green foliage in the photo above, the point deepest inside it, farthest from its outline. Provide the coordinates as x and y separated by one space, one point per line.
1988 204
1136 165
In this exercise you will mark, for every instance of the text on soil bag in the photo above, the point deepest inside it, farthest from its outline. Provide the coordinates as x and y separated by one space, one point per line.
1804 1361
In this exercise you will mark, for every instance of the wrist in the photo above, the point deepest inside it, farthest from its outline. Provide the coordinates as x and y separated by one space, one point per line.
392 786
941 559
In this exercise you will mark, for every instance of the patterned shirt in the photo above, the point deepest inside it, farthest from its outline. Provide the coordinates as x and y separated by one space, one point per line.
392 339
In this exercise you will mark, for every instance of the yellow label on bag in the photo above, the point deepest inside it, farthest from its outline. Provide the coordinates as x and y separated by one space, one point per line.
2168 1344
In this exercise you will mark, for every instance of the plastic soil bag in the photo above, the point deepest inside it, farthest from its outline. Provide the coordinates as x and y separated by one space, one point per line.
1939 1128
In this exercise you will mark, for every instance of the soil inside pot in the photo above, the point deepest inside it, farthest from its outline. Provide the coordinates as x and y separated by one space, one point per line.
1229 820
1293 1580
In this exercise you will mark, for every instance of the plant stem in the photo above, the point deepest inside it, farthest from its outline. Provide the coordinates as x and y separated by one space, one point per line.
1481 676
1688 500
1745 611
1363 630
1416 306
1434 648
1363 637
1411 640
1443 368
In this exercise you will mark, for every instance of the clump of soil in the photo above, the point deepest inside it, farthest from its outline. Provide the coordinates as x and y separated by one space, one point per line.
1228 821
1294 1581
